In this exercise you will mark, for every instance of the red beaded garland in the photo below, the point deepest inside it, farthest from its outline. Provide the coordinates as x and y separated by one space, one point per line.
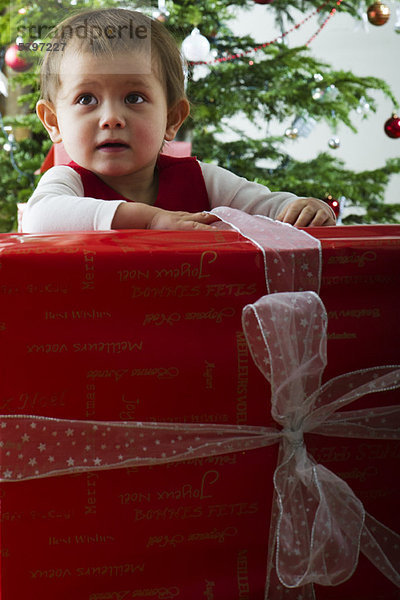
278 38
333 203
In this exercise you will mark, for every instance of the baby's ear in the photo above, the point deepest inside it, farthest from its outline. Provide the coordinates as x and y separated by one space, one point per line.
176 116
47 114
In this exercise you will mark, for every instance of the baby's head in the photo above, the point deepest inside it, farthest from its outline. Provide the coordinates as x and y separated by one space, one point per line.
107 32
112 91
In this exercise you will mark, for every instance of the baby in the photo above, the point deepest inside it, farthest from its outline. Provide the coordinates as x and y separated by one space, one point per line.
114 94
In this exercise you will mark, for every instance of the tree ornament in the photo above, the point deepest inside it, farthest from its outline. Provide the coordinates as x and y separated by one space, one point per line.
10 143
363 107
15 60
195 46
303 125
362 22
333 203
317 93
162 14
397 24
392 127
263 1
3 84
318 77
378 13
292 133
334 143
331 93
200 71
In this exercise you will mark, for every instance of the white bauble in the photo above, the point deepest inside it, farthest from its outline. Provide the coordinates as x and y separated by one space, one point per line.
195 47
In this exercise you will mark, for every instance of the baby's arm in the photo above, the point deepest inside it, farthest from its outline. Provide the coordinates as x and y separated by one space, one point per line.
142 216
59 204
227 189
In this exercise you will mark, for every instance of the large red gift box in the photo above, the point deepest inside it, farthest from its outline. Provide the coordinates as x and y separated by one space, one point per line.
146 326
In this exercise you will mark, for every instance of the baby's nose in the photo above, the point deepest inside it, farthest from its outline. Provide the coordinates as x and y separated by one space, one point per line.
111 119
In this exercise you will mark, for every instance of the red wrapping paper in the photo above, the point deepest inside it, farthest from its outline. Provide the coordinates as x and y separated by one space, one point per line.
147 327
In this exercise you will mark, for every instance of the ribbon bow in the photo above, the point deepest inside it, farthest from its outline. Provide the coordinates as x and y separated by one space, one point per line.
318 525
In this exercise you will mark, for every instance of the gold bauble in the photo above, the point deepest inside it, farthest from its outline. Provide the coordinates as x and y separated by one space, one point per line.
378 13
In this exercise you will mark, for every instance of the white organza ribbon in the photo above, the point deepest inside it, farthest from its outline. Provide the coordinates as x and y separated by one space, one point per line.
318 525
292 257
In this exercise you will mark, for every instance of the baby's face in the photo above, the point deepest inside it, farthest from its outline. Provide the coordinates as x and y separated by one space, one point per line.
111 112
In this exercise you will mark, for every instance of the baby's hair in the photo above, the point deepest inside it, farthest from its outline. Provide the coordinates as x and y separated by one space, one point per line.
166 57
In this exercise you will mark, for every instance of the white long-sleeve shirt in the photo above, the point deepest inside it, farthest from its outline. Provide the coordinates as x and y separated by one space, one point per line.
59 203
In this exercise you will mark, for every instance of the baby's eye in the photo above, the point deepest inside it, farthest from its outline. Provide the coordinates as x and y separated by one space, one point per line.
86 99
134 99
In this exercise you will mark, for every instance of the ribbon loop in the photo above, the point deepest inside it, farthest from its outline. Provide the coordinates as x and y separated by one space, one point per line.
286 334
319 525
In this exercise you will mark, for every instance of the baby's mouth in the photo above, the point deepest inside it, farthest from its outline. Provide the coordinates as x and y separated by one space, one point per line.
112 146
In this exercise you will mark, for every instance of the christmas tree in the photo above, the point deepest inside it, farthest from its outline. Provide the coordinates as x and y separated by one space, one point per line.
229 77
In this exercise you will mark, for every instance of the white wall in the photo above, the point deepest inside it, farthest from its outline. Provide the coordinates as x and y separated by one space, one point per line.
375 52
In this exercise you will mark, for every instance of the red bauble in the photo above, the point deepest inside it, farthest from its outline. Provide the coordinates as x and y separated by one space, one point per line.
334 204
392 126
15 60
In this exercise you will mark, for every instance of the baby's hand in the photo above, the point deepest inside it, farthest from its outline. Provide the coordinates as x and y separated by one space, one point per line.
137 215
307 212
166 219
